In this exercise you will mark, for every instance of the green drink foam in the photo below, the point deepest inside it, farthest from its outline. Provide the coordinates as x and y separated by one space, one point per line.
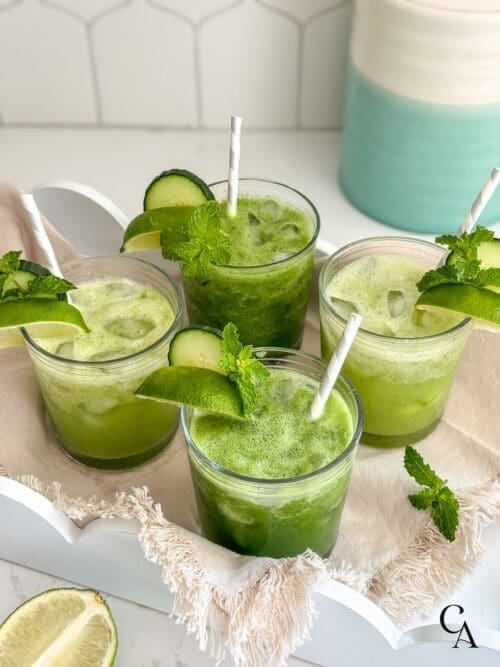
382 288
280 441
266 230
123 315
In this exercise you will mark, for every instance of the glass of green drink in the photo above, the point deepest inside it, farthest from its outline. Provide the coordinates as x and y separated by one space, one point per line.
403 360
275 484
133 309
265 290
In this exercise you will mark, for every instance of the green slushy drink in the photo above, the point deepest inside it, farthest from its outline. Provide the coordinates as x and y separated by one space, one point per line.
403 361
132 309
265 287
275 484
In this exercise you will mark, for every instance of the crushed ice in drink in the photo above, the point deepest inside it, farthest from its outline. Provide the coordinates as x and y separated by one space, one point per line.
121 290
66 350
130 327
253 220
396 303
290 230
270 209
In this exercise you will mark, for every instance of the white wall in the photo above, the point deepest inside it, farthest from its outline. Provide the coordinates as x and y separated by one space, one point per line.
173 63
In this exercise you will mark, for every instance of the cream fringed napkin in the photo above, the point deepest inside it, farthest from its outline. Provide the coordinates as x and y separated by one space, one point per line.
257 609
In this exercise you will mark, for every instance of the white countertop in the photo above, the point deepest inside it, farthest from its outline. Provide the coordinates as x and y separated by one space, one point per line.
120 163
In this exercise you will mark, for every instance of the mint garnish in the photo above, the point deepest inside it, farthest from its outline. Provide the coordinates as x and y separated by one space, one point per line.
243 369
40 286
437 496
9 263
467 267
206 243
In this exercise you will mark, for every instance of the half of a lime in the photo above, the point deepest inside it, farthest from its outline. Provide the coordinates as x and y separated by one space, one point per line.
482 305
43 317
62 627
143 232
198 387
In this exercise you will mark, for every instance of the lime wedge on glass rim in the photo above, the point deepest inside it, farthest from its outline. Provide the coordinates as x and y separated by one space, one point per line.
62 627
198 387
44 317
480 304
143 232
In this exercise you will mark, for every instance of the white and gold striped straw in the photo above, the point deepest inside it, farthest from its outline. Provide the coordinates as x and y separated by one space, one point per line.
335 365
480 202
234 167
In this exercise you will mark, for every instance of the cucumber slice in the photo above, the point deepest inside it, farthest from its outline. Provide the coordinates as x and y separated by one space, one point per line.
176 187
196 346
24 275
489 254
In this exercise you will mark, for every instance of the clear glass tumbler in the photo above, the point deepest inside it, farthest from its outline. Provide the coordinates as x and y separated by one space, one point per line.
97 418
267 302
403 382
275 517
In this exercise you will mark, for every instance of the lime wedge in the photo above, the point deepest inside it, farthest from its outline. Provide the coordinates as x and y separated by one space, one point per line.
47 318
62 627
197 387
143 232
481 304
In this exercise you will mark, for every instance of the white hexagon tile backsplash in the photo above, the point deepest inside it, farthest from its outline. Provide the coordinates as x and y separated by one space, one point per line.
173 63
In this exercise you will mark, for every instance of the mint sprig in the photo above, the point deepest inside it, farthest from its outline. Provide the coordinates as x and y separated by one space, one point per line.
437 496
206 243
46 285
467 267
242 368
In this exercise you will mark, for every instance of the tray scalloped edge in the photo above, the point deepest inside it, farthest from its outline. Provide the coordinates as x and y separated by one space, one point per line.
53 543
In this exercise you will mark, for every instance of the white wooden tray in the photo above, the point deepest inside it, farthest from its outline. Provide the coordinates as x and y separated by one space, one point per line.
106 555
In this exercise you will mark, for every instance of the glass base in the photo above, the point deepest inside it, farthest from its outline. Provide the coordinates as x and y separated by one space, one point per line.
375 440
122 463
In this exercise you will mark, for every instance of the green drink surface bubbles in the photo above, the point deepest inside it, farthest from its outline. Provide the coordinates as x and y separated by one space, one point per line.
124 317
280 440
266 230
382 288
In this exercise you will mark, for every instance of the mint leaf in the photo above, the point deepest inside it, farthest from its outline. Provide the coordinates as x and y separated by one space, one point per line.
9 263
242 368
438 497
421 472
206 243
48 286
488 277
422 500
445 274
466 267
231 345
445 513
466 245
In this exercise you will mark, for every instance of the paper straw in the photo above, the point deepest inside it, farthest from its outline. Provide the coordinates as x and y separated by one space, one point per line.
480 202
234 166
335 365
41 237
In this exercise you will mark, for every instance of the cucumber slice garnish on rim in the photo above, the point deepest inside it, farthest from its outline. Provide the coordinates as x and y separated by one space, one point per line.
196 346
198 387
143 232
176 187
